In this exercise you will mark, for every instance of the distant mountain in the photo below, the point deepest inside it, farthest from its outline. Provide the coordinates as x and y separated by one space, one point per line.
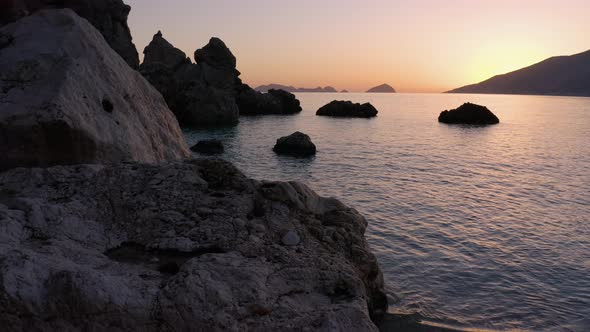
344 91
318 89
559 76
265 88
383 88
290 88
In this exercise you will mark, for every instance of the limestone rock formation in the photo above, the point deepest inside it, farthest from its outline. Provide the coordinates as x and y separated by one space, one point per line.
67 97
297 144
469 113
191 245
108 16
251 102
339 108
201 94
208 147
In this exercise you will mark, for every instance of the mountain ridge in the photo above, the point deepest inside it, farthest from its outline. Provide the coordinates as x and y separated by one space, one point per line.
290 88
567 75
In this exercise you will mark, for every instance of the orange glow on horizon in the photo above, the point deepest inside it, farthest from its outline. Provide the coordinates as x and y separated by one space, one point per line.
415 46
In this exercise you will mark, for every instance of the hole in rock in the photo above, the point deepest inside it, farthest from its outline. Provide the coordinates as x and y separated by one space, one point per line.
107 105
169 268
167 261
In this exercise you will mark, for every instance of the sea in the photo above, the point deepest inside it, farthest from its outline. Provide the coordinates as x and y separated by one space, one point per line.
475 228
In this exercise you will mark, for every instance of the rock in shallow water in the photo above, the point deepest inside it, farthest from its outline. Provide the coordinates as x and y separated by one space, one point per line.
210 92
279 102
469 113
68 98
201 94
210 147
94 247
348 109
297 144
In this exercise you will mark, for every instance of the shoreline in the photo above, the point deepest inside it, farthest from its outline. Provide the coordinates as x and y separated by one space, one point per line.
411 323
415 323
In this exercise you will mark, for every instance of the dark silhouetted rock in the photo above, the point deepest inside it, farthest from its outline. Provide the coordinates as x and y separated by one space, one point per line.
201 94
349 109
217 55
251 102
183 246
289 104
210 92
469 113
558 76
209 147
108 16
162 65
297 144
68 98
160 51
383 88
278 102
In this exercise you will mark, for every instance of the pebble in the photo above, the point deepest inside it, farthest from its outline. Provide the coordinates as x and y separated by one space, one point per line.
291 238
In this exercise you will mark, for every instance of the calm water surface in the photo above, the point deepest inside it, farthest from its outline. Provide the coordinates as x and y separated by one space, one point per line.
474 227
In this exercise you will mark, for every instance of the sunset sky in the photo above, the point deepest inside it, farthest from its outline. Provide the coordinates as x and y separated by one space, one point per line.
414 45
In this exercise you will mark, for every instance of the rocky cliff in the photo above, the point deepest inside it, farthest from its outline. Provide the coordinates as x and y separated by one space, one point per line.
185 246
66 97
121 236
208 92
200 94
108 16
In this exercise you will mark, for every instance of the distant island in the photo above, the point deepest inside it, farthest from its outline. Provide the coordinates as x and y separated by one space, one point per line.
290 88
558 76
383 88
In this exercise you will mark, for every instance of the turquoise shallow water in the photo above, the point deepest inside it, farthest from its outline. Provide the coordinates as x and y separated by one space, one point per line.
475 227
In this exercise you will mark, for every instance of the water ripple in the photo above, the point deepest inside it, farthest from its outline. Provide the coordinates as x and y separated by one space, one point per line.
473 227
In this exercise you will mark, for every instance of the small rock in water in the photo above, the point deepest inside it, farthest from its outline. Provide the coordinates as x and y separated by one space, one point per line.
209 147
291 238
297 144
278 101
347 109
469 113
